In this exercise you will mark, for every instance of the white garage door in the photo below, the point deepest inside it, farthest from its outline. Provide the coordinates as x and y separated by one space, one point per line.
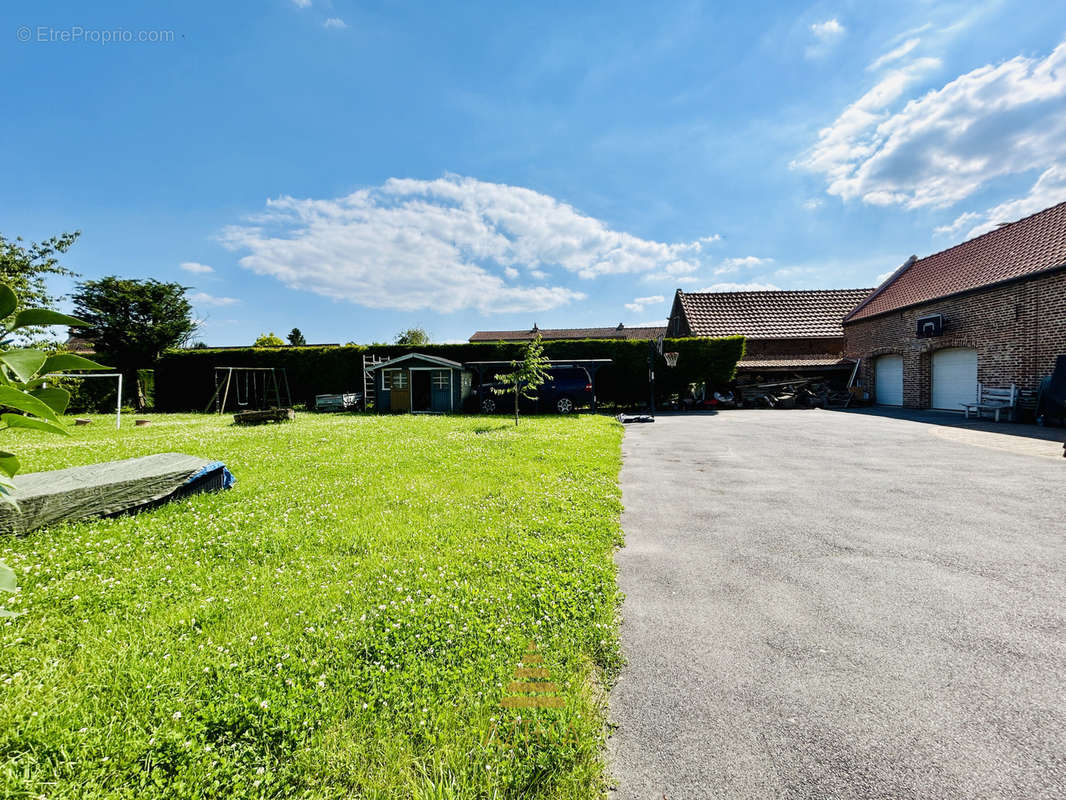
954 377
888 380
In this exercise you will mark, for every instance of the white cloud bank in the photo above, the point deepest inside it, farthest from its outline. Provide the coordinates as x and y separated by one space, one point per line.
638 304
448 244
194 267
730 265
740 287
940 148
1049 190
335 22
204 299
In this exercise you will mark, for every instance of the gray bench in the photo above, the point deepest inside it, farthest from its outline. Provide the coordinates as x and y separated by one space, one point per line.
993 400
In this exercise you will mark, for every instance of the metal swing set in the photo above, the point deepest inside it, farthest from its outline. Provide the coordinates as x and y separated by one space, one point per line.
259 383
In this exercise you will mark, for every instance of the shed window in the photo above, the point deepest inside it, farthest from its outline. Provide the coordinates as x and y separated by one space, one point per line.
440 380
394 379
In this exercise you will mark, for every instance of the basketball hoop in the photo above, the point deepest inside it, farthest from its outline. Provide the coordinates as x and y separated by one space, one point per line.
671 359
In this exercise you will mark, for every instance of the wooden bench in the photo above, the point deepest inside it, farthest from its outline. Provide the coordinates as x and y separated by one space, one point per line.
992 399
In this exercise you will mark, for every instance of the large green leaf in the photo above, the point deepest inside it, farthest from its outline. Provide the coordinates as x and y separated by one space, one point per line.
8 301
54 397
44 316
9 464
24 363
7 578
19 421
16 398
62 362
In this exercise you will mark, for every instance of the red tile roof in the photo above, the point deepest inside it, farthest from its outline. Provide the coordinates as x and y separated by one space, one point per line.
618 332
822 360
805 314
1023 248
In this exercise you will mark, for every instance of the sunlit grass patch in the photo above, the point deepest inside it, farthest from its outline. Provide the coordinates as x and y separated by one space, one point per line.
342 623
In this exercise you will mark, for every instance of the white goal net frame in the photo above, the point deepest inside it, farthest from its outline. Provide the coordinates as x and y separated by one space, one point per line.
118 375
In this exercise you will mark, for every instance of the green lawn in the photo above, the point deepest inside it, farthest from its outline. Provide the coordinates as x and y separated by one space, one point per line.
343 623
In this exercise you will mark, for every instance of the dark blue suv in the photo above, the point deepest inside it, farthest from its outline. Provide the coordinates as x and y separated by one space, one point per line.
565 390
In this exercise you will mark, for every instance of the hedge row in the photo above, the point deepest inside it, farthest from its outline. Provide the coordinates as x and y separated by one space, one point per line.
184 380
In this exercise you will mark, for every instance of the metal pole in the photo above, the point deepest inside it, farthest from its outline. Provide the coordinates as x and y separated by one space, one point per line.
225 394
651 374
118 406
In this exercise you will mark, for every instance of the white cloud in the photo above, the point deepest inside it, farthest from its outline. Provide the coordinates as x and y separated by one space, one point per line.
826 35
829 29
335 22
199 269
511 272
1049 190
894 54
739 287
812 203
444 244
204 299
936 150
302 3
638 304
730 265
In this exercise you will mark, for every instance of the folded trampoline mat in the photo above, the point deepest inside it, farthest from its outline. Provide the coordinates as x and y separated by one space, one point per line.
113 487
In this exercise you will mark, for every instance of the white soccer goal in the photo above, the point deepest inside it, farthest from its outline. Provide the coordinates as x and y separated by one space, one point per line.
117 375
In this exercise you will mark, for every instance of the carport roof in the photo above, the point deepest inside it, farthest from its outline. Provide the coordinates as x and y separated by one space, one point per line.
1021 249
823 360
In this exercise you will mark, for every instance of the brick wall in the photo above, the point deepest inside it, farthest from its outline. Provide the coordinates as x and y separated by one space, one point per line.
755 348
1017 329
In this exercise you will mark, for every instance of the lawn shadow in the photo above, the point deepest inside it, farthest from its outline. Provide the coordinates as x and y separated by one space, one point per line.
486 429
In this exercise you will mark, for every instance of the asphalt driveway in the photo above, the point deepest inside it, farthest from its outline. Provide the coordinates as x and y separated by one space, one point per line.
840 605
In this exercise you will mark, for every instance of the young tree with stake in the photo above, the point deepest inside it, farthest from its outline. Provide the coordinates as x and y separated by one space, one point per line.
526 376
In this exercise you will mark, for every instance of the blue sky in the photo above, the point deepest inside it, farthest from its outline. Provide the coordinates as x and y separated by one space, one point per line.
354 168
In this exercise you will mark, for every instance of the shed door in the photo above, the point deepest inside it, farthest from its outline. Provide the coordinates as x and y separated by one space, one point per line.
441 387
954 378
401 390
888 380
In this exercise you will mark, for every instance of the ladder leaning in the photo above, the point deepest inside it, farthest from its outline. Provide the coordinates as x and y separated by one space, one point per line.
369 362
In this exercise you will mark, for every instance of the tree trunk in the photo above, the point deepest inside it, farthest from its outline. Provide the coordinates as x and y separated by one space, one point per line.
516 404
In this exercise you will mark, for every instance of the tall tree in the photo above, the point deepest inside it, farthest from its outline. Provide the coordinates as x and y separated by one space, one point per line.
25 268
133 321
527 375
413 336
269 340
296 338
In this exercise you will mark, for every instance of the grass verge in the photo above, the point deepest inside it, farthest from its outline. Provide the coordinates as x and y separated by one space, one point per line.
343 623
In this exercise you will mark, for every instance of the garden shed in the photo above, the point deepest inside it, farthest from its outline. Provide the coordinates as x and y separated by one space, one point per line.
420 383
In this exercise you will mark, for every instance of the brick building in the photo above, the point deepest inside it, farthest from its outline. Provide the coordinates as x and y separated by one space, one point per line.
786 331
990 310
